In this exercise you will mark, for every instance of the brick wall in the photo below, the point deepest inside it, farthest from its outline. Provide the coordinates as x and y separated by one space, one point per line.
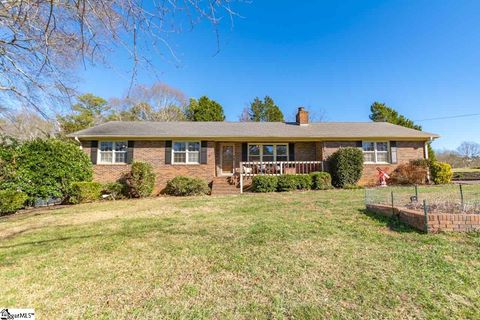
437 222
153 152
305 151
406 151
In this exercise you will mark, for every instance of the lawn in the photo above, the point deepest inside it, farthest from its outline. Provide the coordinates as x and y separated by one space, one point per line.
466 169
294 255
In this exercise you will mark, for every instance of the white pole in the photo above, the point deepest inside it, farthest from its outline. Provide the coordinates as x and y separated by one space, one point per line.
241 177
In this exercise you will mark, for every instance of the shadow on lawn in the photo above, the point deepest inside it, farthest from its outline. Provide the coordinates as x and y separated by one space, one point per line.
393 223
130 231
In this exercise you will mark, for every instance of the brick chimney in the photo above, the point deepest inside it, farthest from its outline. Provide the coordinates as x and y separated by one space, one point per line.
302 116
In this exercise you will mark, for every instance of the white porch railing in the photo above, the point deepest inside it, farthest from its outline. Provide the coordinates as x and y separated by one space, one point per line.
276 168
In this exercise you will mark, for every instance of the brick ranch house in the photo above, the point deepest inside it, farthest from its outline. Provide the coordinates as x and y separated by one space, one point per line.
224 152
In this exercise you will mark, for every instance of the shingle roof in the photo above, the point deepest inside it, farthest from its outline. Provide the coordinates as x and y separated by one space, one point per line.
236 130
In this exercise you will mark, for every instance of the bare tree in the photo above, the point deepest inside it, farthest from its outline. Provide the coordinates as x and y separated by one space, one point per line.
245 115
25 125
469 151
158 102
43 42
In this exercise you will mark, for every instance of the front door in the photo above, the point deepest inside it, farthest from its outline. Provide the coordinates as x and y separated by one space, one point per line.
227 159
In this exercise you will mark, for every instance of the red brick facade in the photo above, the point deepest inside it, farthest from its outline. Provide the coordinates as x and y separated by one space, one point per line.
433 222
153 152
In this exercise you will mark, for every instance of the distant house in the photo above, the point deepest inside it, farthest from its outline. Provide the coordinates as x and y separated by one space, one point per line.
222 151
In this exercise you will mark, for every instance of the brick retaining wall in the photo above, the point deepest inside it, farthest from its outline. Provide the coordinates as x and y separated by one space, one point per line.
437 222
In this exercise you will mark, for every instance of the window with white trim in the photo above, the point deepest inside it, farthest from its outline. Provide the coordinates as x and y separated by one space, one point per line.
375 152
112 152
186 152
267 152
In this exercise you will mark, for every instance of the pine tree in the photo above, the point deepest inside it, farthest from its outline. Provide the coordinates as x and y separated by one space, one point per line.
204 109
265 111
380 112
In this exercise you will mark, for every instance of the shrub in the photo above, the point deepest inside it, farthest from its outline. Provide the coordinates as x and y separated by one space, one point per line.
346 166
81 192
286 182
11 201
321 180
352 187
264 183
186 186
415 172
115 189
303 181
43 168
441 172
140 180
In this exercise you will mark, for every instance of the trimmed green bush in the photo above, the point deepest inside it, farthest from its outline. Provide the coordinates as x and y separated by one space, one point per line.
303 181
321 180
140 181
346 166
187 186
115 189
264 183
43 168
287 182
81 192
441 172
11 201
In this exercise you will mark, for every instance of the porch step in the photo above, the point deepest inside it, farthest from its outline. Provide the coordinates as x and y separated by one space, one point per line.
224 186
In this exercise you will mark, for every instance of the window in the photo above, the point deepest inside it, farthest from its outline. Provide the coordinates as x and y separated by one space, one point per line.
113 152
186 152
375 152
267 152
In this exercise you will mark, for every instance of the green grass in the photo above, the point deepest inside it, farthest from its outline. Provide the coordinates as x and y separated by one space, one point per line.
466 169
308 255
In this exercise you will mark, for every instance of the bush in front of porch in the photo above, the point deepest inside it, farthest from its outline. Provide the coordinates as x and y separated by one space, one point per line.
290 182
264 184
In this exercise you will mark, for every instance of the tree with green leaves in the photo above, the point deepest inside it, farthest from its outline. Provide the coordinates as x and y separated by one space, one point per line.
204 109
265 111
88 111
380 112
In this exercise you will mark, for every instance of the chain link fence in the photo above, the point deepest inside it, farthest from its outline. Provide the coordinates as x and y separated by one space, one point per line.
452 198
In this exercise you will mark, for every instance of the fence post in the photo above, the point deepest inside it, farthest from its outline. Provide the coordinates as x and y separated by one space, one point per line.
416 192
461 197
425 212
393 205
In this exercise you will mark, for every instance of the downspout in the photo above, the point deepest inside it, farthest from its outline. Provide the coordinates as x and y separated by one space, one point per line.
426 158
76 139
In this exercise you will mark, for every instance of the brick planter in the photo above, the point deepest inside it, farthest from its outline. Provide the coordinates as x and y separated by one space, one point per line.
436 222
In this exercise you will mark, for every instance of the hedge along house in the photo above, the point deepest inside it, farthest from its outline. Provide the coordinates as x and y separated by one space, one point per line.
228 154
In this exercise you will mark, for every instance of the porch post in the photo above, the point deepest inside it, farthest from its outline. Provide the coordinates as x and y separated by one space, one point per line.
241 176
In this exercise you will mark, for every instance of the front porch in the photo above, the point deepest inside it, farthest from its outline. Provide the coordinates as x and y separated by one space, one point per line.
242 176
238 162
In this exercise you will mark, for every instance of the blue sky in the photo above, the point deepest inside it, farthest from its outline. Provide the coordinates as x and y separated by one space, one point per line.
335 57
